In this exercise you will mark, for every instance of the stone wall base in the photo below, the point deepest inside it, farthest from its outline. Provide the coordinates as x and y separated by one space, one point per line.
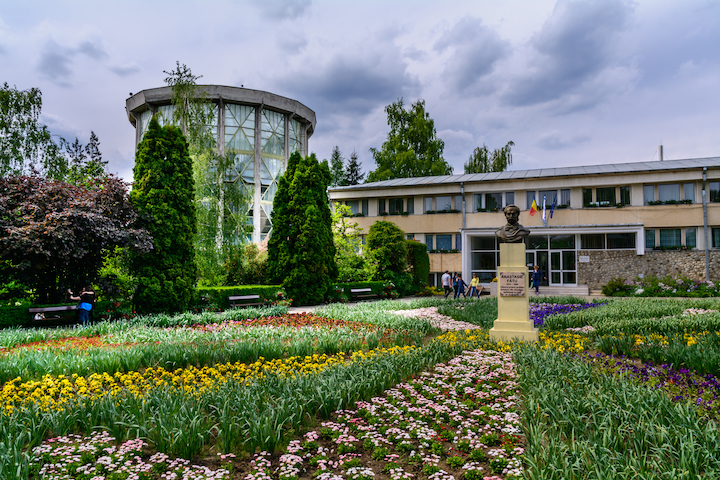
607 264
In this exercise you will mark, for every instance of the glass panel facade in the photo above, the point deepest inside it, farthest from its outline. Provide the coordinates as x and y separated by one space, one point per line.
691 237
592 241
669 191
537 242
240 142
165 115
443 203
605 195
145 121
650 239
482 261
562 241
493 201
483 243
295 136
444 242
625 195
670 237
564 197
689 191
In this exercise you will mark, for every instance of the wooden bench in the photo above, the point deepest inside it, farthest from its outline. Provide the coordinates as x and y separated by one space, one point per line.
362 294
62 313
251 300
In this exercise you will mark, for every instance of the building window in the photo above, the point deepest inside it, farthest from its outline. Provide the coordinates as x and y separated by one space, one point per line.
443 203
648 194
365 207
670 237
458 242
354 206
444 242
625 195
428 204
493 201
689 191
396 205
691 237
477 201
715 191
484 257
429 242
605 195
716 237
649 239
562 241
668 192
410 205
458 202
529 196
587 196
564 198
620 240
592 241
381 207
410 236
509 198
548 196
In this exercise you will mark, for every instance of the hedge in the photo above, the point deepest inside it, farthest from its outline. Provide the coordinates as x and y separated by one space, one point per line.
219 295
12 316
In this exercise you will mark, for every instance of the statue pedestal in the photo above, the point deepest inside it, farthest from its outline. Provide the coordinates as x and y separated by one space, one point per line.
513 322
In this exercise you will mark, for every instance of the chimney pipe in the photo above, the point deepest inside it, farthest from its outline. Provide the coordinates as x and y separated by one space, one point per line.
660 152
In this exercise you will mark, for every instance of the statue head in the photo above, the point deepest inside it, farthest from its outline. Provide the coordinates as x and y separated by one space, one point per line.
512 214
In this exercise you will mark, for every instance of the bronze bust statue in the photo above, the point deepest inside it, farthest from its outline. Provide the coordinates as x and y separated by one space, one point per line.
512 232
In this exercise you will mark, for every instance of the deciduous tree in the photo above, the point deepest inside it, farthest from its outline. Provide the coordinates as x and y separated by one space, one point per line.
412 148
55 234
482 161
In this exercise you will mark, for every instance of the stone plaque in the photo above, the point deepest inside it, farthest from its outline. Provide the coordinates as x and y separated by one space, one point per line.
584 258
511 284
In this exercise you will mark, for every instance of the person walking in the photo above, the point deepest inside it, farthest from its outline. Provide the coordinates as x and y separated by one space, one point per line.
461 285
474 282
537 276
446 283
86 299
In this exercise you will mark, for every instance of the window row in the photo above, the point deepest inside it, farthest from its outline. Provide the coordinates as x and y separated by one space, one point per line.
669 193
550 196
443 243
671 238
606 196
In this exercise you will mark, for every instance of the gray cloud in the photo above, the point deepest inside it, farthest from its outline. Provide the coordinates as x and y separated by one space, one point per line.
125 70
574 46
283 9
346 85
55 63
92 49
476 47
292 44
554 141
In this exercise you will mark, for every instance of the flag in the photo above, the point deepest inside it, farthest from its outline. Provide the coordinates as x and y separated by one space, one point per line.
552 207
533 208
544 214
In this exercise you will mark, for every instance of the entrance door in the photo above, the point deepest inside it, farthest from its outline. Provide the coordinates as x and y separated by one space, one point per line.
562 267
539 258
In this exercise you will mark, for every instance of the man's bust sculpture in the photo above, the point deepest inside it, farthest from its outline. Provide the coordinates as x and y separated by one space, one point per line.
512 232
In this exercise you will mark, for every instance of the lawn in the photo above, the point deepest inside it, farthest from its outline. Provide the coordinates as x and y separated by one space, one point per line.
383 390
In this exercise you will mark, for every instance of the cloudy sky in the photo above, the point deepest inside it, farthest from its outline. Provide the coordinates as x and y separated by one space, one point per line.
570 82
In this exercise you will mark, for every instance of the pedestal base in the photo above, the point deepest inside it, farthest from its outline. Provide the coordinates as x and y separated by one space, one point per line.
508 330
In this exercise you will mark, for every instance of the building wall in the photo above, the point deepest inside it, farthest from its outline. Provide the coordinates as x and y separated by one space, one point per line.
607 264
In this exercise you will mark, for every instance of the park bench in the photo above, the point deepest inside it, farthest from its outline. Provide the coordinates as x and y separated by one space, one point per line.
250 300
45 315
362 294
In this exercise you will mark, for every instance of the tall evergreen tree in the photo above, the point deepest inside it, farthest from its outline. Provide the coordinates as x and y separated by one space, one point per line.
163 194
95 165
354 175
338 177
301 253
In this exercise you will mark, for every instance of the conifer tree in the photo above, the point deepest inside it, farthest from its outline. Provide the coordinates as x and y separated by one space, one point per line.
163 194
301 252
338 177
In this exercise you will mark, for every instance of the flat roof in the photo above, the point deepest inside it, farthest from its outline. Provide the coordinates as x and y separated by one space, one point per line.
607 169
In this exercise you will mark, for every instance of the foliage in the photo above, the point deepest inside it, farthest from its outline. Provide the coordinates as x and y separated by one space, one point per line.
482 161
338 177
412 148
163 193
115 280
418 262
55 234
247 265
84 162
347 237
353 172
25 144
668 286
301 253
388 255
